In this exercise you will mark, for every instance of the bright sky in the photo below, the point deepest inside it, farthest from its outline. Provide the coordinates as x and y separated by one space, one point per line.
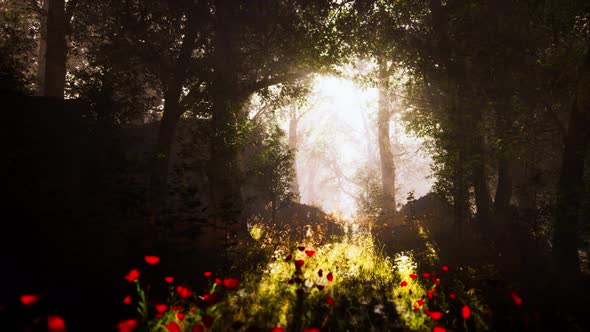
337 123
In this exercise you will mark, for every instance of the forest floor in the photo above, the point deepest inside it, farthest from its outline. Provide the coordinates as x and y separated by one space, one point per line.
382 278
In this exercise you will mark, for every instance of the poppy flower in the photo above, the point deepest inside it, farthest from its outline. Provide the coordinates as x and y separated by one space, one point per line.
198 328
320 272
180 316
132 275
329 300
309 253
415 307
169 279
288 258
420 302
312 329
56 324
413 276
403 283
231 283
193 310
452 295
485 312
434 276
320 287
426 275
276 329
161 308
127 300
207 320
465 312
301 248
330 277
29 299
439 329
299 263
177 308
437 282
152 260
172 327
436 315
128 325
211 299
445 268
218 281
184 292
517 300
429 293
208 274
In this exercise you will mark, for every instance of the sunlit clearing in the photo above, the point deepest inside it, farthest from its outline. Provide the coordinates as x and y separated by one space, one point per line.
338 146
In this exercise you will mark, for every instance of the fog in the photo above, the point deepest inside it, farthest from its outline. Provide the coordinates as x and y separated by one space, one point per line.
337 146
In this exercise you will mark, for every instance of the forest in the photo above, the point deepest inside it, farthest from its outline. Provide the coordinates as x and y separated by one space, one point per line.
295 165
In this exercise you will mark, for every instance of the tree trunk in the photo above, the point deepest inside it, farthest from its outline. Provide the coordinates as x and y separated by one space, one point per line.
385 154
571 185
293 122
171 115
505 167
161 158
52 51
483 200
224 173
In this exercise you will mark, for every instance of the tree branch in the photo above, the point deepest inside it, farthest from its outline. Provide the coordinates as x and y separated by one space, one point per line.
70 9
261 84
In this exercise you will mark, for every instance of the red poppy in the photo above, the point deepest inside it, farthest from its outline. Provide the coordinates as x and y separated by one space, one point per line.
415 307
193 310
485 312
434 289
426 275
211 299
517 300
437 281
231 283
330 277
320 287
207 320
435 276
128 325
320 272
56 324
413 276
439 329
161 308
132 275
198 328
158 316
169 279
465 312
276 329
208 274
172 327
218 281
329 300
184 292
288 258
420 302
299 263
403 283
311 329
429 293
127 300
180 316
29 299
301 248
452 296
436 315
445 268
152 260
309 253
